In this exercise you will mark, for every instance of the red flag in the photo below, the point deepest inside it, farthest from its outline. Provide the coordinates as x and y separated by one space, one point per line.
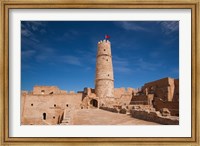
107 36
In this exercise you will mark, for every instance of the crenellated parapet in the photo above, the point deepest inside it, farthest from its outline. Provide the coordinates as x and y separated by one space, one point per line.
104 48
103 41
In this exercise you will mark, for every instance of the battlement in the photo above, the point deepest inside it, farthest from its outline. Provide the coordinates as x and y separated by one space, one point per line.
103 42
46 90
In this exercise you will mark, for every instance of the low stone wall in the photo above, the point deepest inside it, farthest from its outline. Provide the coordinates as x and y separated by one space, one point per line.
172 106
123 111
154 116
114 110
120 110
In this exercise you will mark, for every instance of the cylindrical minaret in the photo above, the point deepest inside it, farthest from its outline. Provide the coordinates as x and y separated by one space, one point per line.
104 83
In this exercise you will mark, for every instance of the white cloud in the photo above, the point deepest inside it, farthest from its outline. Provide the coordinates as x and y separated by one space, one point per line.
154 54
28 53
144 65
33 25
26 32
174 70
169 27
42 31
45 54
131 26
122 69
29 28
73 60
71 34
121 65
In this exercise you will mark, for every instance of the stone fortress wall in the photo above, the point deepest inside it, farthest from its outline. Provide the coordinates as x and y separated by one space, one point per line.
163 93
40 108
123 95
163 88
45 90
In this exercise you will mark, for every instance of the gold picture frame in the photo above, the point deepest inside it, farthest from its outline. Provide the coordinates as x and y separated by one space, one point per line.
127 4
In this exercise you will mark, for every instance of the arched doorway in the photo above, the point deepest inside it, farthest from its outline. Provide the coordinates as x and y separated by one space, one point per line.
44 116
94 103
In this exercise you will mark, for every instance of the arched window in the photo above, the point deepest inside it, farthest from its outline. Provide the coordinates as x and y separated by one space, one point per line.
44 116
42 91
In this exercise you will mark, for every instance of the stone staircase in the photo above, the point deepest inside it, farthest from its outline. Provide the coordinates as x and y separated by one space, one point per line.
67 117
65 121
45 122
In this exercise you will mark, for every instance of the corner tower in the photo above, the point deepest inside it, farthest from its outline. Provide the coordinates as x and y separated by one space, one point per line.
104 82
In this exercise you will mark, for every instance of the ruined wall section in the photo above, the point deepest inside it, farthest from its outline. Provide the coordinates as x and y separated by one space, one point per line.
45 90
163 93
173 107
35 106
104 82
176 91
154 116
119 91
88 96
171 88
123 95
142 99
163 88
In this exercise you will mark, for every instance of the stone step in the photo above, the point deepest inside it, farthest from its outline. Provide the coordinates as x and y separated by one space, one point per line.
65 120
64 123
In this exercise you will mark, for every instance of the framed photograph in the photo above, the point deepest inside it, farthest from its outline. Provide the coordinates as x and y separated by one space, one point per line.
104 72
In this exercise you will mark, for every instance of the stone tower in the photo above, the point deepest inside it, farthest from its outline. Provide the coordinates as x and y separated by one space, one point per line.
104 83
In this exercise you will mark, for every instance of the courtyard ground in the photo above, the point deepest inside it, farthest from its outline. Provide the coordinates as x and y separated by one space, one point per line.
102 117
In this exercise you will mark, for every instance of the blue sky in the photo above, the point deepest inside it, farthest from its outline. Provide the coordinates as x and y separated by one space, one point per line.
63 53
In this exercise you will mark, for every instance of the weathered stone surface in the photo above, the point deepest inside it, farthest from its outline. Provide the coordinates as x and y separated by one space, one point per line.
165 112
123 111
37 109
163 88
103 117
154 117
114 110
172 106
104 83
45 90
163 93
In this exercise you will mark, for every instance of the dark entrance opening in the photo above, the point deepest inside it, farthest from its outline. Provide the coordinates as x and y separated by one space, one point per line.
44 116
94 103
